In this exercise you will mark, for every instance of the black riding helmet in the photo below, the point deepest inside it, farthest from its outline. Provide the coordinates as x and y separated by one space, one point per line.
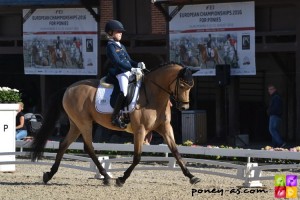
113 25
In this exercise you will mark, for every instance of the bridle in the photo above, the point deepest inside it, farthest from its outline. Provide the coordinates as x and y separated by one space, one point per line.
179 79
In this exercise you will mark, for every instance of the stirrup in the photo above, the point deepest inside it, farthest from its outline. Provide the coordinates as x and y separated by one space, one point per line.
119 123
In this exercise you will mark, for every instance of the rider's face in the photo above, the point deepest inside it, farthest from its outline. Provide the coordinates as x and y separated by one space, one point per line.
117 35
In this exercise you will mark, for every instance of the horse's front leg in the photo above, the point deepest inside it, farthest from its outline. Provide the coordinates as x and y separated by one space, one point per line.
138 143
167 132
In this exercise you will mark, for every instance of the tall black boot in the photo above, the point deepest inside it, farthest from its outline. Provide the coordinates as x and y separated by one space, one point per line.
116 121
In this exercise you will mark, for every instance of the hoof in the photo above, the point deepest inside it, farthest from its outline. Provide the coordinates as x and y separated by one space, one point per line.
119 182
194 180
46 177
106 182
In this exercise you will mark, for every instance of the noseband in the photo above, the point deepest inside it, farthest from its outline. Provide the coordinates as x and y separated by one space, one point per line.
185 77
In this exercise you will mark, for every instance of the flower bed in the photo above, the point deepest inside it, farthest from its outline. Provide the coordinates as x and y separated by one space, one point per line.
8 95
259 160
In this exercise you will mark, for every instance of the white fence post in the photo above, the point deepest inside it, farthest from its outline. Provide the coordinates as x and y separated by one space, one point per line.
249 173
105 165
172 163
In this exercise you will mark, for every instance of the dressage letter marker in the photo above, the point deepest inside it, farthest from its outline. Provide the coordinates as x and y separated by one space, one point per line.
8 114
5 127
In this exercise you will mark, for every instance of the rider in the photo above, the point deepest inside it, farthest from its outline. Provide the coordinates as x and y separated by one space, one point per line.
40 49
57 46
77 43
208 44
76 46
188 45
232 42
122 65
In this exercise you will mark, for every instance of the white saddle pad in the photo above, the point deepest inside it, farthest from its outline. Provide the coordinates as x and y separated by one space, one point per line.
103 94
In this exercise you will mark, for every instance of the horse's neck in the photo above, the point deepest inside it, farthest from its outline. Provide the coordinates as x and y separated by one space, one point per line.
154 98
157 84
202 48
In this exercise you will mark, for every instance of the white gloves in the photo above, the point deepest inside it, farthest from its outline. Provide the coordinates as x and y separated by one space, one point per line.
141 65
137 71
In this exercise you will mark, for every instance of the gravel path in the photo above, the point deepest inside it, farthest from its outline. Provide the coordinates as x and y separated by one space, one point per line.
26 183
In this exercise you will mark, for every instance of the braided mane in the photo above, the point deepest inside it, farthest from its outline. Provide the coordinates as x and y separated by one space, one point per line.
167 63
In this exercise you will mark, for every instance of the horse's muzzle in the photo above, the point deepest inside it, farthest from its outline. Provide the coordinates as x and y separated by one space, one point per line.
182 106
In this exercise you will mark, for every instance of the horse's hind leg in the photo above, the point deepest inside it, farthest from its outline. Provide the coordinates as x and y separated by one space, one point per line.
63 146
167 132
88 147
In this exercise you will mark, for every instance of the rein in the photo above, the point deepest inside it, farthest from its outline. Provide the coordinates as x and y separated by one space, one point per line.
174 95
170 93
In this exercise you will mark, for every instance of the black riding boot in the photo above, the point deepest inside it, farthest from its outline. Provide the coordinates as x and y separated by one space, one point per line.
116 121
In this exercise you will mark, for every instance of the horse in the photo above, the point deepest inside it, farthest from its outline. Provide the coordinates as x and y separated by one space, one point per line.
215 57
55 58
37 56
152 113
187 59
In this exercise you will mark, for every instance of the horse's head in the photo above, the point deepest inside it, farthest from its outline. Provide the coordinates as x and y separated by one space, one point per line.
50 48
34 49
201 46
178 87
183 85
183 49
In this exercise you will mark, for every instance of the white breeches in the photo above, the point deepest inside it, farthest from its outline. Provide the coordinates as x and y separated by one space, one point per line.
123 79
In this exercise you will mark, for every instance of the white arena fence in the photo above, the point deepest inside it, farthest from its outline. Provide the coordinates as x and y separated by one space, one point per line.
250 173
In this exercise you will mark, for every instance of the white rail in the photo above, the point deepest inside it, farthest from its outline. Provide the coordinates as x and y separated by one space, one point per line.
251 173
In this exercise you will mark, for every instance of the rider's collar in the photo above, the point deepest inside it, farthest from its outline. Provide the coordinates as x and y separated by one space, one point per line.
117 42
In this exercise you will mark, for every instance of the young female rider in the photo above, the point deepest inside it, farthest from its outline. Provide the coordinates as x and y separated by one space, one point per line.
122 65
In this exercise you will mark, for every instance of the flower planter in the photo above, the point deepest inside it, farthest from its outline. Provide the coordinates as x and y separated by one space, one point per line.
8 114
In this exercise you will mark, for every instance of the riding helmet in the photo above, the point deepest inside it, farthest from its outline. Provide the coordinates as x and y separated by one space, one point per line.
114 25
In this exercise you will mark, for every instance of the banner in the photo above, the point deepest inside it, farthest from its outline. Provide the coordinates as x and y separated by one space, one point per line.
205 35
60 42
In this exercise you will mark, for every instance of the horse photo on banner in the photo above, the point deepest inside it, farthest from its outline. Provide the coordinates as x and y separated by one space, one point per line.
59 41
205 35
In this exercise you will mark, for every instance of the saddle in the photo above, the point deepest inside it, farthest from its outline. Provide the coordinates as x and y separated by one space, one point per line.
109 89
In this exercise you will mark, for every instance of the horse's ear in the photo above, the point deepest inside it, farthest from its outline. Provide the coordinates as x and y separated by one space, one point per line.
186 75
192 69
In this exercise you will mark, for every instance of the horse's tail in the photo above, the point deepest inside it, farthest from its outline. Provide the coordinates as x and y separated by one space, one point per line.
54 109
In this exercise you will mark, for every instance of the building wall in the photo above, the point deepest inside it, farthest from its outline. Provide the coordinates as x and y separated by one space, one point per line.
159 23
106 12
